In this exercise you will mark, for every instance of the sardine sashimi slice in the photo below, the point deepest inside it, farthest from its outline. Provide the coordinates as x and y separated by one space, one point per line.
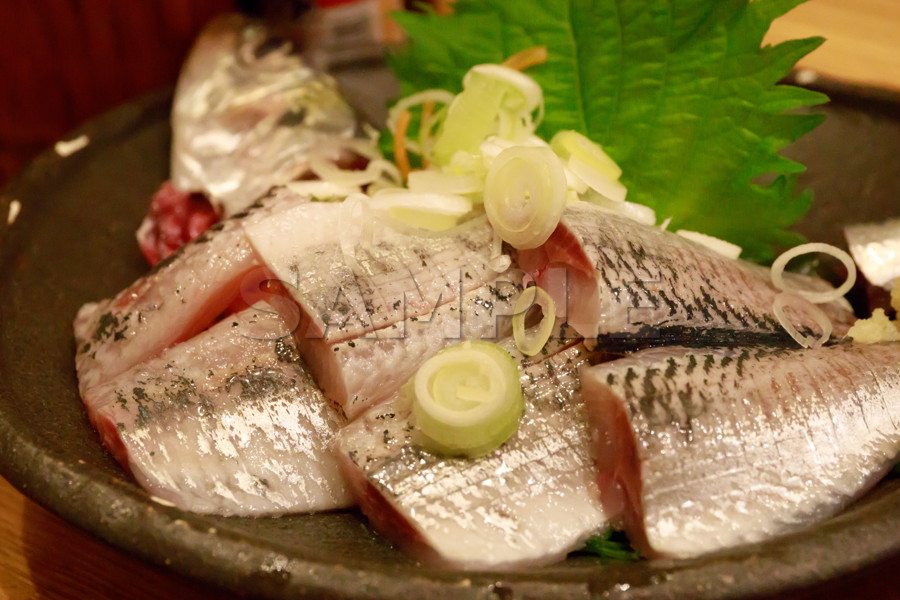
530 502
706 449
619 279
227 423
178 298
353 276
357 374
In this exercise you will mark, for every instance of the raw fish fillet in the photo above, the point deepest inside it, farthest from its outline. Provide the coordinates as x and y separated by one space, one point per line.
351 277
356 374
635 286
178 298
701 450
529 502
229 423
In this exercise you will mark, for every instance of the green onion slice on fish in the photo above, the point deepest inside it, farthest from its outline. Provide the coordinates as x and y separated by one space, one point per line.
525 194
531 344
467 399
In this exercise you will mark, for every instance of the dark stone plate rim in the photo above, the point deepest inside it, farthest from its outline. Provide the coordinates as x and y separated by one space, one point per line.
118 512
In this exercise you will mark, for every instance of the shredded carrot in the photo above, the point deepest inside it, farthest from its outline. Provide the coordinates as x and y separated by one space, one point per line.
400 156
424 125
526 58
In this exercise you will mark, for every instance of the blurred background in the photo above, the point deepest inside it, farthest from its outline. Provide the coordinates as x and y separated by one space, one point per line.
65 61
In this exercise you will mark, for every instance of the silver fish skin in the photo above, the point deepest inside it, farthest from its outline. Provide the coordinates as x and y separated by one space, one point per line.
249 114
179 297
351 276
359 373
616 278
530 502
876 249
700 450
227 423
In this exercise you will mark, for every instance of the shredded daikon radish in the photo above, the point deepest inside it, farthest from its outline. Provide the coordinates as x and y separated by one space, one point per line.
814 297
529 57
322 190
726 249
784 299
665 224
326 171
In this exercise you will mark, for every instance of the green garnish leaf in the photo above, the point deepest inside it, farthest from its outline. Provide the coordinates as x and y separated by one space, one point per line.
679 93
611 546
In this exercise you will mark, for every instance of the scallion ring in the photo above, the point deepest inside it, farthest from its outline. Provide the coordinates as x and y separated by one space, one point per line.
467 399
524 195
529 345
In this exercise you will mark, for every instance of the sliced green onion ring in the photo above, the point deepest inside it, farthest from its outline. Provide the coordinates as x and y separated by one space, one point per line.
571 144
597 180
529 345
530 95
436 182
467 399
815 297
784 299
326 171
435 212
524 195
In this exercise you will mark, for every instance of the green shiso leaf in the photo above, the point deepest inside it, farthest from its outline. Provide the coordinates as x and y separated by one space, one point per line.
611 546
679 92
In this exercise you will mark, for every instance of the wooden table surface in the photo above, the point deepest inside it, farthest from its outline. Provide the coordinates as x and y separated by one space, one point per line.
43 557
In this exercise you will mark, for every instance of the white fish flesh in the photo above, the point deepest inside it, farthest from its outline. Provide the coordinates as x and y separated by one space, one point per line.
178 298
529 502
637 286
352 277
358 373
228 423
701 450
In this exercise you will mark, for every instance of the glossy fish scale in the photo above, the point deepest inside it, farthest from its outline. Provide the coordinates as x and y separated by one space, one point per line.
733 446
625 277
358 373
228 423
180 297
351 288
530 502
248 114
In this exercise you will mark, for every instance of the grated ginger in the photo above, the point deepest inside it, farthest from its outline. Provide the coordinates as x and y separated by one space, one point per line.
877 328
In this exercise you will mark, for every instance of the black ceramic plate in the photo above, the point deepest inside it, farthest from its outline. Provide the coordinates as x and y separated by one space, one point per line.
73 242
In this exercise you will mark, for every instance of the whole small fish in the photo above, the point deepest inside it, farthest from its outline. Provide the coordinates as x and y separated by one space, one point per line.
699 450
529 502
635 286
228 422
249 113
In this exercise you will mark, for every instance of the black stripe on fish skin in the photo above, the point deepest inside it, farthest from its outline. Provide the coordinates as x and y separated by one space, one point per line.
649 336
